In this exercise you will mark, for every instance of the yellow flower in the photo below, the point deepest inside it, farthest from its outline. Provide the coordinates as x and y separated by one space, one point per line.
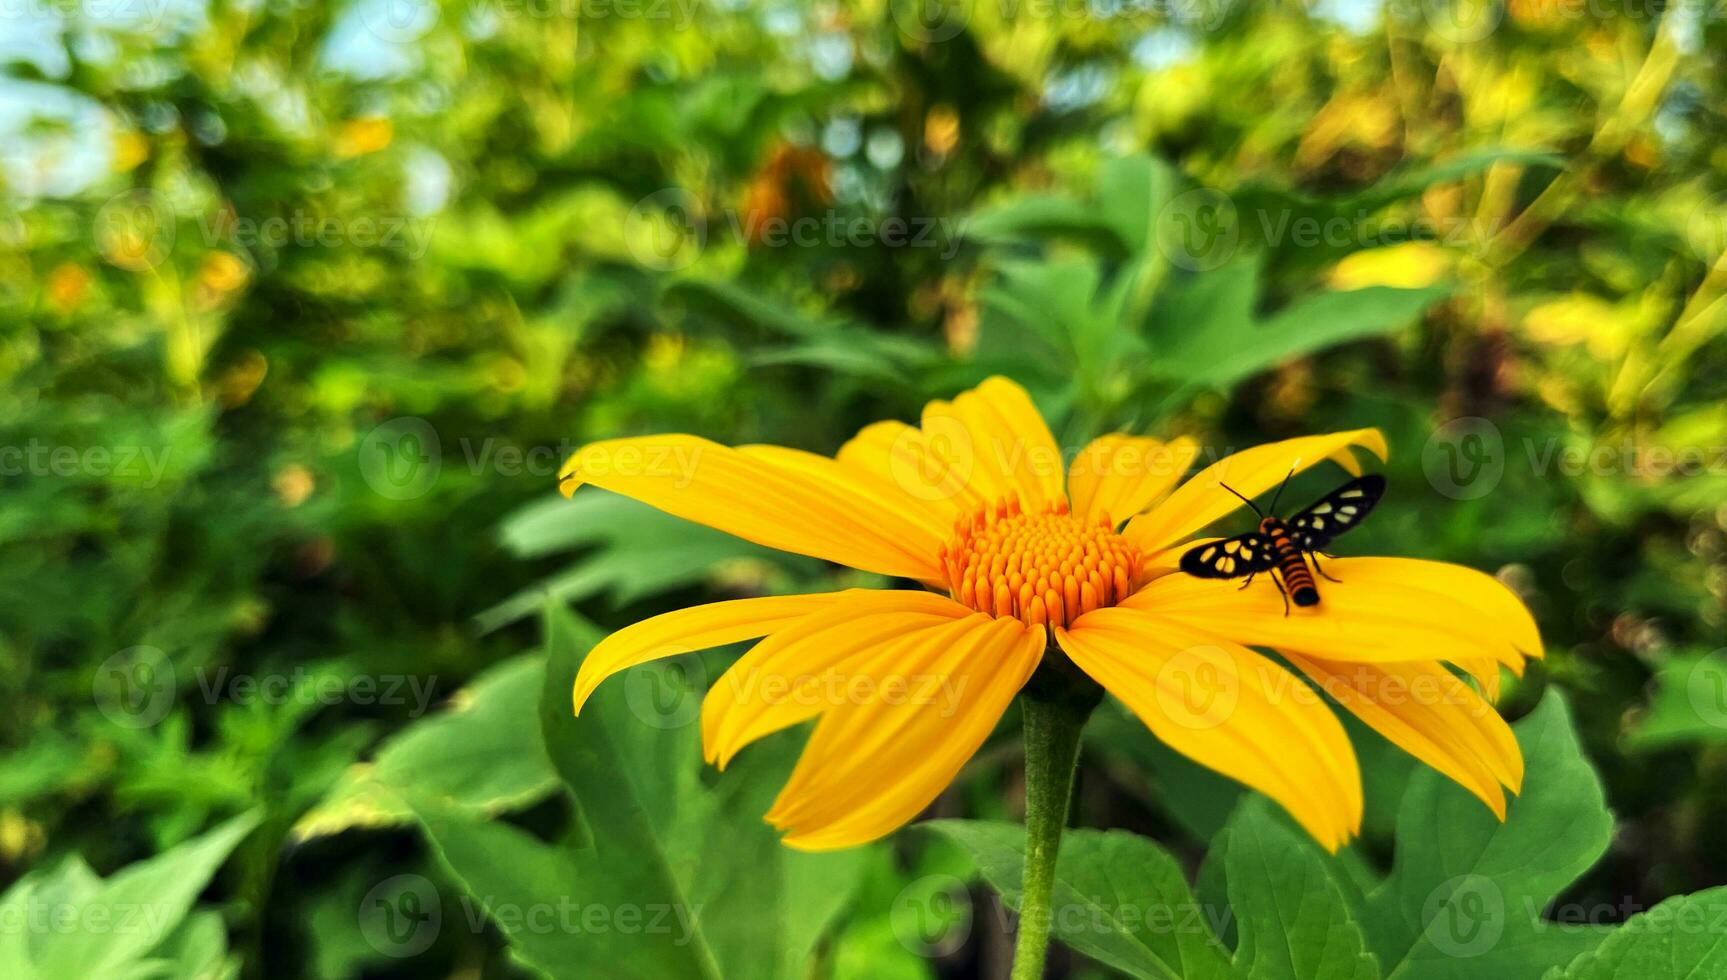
1019 566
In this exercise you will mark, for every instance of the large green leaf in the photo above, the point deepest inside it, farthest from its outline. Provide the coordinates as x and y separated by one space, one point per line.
1291 915
1307 231
468 758
1204 329
1689 704
1467 893
630 550
1118 218
660 842
1064 309
118 923
815 339
1683 938
1119 898
1198 799
198 950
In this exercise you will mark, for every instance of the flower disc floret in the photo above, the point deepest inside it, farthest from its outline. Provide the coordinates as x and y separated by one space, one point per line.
1043 568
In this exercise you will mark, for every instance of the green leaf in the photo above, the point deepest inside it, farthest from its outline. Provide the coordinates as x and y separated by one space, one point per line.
1683 938
469 758
1689 704
1119 898
1117 218
1466 897
1409 181
1132 191
745 308
1064 306
817 340
198 950
1204 330
632 551
1036 217
1291 914
1196 798
128 914
861 353
1307 231
660 843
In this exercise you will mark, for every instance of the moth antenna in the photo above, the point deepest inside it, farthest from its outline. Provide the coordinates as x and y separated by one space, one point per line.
1279 495
1244 500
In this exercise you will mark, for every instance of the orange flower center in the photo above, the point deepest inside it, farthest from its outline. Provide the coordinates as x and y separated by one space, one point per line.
1047 568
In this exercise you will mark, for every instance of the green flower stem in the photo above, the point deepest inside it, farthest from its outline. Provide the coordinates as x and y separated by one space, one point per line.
1056 702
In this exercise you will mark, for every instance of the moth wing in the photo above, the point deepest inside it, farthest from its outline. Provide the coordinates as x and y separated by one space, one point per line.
1338 511
1244 554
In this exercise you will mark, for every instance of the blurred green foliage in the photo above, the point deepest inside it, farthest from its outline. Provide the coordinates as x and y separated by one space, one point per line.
302 303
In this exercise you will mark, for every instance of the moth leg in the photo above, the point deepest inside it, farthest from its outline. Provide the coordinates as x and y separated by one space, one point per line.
1281 591
1314 555
1248 582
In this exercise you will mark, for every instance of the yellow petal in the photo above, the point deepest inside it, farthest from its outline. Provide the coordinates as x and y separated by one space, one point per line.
696 628
1120 475
1492 601
904 453
1229 709
935 517
1423 709
794 675
761 500
995 443
1385 610
872 766
1485 672
1202 500
1157 564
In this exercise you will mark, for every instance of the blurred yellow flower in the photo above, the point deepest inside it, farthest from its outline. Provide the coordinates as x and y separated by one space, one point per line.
222 272
220 275
130 149
1412 265
358 137
293 484
1021 568
941 130
1581 319
67 286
